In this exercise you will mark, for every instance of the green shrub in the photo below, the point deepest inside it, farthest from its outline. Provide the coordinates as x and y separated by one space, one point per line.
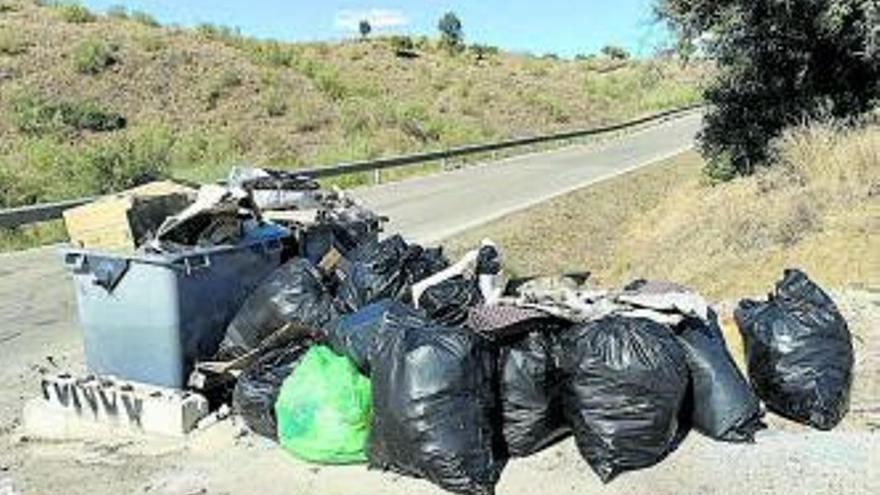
35 116
47 169
75 13
356 117
328 81
780 64
403 46
225 34
615 52
271 53
36 234
135 158
152 43
220 85
274 102
416 122
92 56
481 51
144 18
117 12
10 44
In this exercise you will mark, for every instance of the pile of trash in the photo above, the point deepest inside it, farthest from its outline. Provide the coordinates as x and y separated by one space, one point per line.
366 349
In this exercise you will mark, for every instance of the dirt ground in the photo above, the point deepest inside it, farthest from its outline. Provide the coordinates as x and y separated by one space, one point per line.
38 332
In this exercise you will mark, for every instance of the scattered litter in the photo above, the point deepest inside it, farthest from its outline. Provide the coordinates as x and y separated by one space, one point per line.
275 189
799 352
123 222
215 218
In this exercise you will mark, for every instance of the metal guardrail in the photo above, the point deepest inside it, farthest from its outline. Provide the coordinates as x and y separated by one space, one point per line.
15 217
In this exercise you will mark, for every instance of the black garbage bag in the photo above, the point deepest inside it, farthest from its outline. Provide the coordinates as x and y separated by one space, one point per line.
424 262
625 380
259 383
293 293
383 270
531 393
344 235
799 352
433 405
353 335
448 301
724 407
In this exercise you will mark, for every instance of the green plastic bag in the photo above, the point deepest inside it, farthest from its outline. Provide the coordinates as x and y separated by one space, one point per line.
324 409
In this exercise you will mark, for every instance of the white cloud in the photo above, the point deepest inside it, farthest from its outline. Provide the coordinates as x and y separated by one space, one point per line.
348 20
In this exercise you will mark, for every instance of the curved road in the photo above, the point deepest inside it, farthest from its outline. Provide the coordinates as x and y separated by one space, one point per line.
429 209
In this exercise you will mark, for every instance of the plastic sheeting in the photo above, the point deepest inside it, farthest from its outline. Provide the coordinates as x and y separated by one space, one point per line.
625 380
433 405
799 352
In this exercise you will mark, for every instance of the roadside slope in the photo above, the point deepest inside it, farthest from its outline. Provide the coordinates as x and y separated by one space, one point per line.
196 101
817 209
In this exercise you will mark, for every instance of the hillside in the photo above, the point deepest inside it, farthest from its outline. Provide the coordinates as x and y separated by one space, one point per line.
103 101
816 209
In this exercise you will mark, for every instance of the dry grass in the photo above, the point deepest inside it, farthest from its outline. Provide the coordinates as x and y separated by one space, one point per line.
316 103
818 209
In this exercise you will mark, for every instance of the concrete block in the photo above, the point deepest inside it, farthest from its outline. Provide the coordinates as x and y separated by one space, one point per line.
77 407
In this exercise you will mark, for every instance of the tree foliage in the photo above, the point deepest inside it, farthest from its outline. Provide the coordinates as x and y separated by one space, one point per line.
451 32
780 62
615 52
365 28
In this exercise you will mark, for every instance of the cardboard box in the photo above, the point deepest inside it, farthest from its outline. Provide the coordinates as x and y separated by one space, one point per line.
122 221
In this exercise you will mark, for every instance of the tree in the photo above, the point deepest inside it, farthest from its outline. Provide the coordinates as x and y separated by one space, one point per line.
451 33
615 52
365 28
482 51
779 64
403 46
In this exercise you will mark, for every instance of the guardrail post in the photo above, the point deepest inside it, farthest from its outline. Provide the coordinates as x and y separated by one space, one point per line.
377 176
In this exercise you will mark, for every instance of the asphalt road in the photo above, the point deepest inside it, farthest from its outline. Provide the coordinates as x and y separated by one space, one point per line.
431 208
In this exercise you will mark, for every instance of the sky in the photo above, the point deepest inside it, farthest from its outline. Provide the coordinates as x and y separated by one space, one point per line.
563 27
